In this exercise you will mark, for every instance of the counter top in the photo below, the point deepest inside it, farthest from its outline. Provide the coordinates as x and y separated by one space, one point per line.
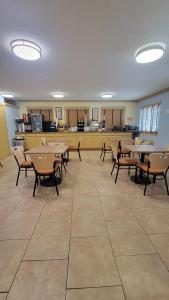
76 132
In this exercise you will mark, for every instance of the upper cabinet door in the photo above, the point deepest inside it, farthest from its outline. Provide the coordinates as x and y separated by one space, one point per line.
46 114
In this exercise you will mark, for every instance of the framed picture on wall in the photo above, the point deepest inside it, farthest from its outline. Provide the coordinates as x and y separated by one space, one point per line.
59 114
95 114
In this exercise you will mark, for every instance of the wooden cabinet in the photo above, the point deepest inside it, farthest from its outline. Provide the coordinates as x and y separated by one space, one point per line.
4 143
45 112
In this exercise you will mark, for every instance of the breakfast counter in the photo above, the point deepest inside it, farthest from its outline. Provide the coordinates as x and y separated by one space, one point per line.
88 140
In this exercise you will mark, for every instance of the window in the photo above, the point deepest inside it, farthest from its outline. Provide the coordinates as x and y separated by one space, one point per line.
149 117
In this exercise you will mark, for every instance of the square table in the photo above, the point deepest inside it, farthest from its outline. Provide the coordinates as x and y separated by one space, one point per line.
143 150
59 149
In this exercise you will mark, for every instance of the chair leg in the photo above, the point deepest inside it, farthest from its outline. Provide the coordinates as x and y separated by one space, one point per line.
166 184
117 174
56 186
136 175
18 176
129 170
26 173
64 166
113 168
146 183
101 154
154 179
35 186
1 165
104 152
79 155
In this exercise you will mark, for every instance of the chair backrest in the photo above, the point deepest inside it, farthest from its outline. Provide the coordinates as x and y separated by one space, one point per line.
43 161
159 161
166 147
18 153
126 142
115 152
43 141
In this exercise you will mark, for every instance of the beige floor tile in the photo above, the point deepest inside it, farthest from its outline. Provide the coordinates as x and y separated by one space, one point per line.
86 201
144 277
31 205
161 243
56 216
128 238
138 200
11 253
3 296
104 293
40 280
88 223
117 214
61 204
91 263
153 220
49 241
19 225
85 187
117 202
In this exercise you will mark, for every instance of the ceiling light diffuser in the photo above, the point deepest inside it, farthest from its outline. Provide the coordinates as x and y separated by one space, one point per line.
7 95
107 95
58 95
149 53
26 49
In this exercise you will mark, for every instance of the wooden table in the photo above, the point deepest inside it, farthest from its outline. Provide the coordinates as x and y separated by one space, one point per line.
58 148
143 150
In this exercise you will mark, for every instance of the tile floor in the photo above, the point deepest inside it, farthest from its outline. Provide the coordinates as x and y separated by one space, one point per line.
96 240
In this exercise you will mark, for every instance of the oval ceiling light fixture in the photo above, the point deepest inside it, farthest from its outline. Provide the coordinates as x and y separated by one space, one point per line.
149 53
26 49
58 95
107 95
7 95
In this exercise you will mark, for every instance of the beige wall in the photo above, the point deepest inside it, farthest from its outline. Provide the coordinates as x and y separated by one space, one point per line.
130 107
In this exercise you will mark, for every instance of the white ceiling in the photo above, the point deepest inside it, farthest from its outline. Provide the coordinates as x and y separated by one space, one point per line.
88 48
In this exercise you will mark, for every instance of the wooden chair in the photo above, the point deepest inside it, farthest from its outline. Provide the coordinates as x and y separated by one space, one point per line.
157 166
45 165
120 162
74 149
123 149
22 162
59 158
105 149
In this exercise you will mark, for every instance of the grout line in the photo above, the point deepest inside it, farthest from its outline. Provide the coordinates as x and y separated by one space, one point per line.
112 247
68 257
150 241
94 287
26 247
